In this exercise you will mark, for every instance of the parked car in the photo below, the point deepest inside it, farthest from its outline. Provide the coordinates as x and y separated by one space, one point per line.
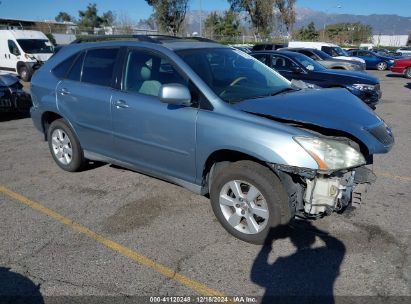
326 60
23 51
402 66
211 119
404 51
373 60
242 48
267 47
331 49
297 66
386 53
12 96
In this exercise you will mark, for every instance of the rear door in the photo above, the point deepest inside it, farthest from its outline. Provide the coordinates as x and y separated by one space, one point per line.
154 136
84 98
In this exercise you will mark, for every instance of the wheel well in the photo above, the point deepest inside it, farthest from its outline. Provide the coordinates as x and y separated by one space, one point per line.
46 120
220 159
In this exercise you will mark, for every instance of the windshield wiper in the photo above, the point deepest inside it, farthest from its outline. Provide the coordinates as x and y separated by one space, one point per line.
285 90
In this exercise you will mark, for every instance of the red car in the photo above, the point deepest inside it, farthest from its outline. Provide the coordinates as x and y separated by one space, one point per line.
402 66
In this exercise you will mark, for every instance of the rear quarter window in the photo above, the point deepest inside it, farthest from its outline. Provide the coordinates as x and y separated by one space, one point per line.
61 70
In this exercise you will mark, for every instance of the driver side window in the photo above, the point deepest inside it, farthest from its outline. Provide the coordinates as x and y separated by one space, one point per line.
13 48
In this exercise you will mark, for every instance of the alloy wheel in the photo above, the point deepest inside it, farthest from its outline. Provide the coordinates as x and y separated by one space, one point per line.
62 147
244 207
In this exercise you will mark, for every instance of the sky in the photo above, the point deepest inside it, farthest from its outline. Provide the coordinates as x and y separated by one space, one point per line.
138 9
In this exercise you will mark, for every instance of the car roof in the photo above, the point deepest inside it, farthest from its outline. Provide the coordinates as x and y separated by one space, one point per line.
170 42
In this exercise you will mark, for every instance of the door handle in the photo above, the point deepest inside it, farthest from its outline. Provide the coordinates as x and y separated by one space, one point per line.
120 104
64 91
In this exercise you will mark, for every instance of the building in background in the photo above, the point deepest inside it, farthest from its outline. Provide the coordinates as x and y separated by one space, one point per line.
390 40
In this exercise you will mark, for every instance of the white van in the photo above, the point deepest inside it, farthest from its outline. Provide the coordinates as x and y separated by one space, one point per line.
329 48
22 51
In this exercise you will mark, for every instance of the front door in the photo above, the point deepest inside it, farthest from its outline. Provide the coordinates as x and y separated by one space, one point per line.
149 134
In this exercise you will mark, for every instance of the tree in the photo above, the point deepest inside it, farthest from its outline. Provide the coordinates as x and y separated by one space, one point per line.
226 25
260 12
308 33
169 14
211 25
345 33
108 18
89 17
287 13
64 17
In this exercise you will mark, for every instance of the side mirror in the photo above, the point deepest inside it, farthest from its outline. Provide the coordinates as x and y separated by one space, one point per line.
296 69
176 94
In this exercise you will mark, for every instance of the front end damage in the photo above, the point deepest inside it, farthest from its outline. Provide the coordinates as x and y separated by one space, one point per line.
314 194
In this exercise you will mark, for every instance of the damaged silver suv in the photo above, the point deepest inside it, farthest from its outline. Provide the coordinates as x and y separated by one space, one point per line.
211 119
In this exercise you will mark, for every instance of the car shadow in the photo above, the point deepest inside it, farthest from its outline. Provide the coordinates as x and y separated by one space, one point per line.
8 116
306 276
394 75
16 288
408 85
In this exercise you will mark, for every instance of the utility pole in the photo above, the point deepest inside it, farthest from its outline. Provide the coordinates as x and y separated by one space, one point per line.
201 18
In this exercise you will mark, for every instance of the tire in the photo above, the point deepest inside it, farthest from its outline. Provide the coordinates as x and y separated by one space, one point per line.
269 199
382 66
24 74
64 146
408 73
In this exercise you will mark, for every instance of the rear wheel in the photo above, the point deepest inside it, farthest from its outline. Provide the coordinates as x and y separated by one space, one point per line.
382 66
64 146
408 73
248 199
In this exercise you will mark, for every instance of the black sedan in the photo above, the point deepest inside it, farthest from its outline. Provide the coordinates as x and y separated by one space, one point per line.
297 66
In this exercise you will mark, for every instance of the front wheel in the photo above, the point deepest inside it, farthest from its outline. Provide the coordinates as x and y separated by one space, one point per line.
24 74
382 66
65 147
248 199
408 73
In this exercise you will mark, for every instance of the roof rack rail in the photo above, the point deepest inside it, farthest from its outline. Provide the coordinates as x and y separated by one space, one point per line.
144 38
97 38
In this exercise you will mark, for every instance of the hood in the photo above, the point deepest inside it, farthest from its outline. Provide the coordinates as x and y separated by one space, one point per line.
42 57
358 76
335 109
351 58
7 80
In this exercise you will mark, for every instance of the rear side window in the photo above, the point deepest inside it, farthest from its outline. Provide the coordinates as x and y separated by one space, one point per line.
60 71
75 71
98 66
258 47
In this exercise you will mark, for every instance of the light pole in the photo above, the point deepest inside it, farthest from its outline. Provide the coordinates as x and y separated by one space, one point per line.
201 18
326 12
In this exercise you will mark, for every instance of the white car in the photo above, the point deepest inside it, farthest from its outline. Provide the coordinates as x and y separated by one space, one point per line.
406 51
22 51
329 48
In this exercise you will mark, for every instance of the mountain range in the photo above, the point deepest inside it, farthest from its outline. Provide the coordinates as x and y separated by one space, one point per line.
383 24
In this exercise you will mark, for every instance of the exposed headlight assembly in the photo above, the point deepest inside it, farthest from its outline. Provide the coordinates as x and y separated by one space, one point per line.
363 87
331 154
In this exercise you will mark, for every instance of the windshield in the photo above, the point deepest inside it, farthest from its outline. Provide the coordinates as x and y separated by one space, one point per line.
340 51
322 55
35 46
308 63
234 75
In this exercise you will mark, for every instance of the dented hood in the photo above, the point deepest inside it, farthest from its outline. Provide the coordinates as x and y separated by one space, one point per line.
336 109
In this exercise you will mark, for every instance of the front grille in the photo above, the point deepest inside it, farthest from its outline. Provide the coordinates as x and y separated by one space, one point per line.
383 134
